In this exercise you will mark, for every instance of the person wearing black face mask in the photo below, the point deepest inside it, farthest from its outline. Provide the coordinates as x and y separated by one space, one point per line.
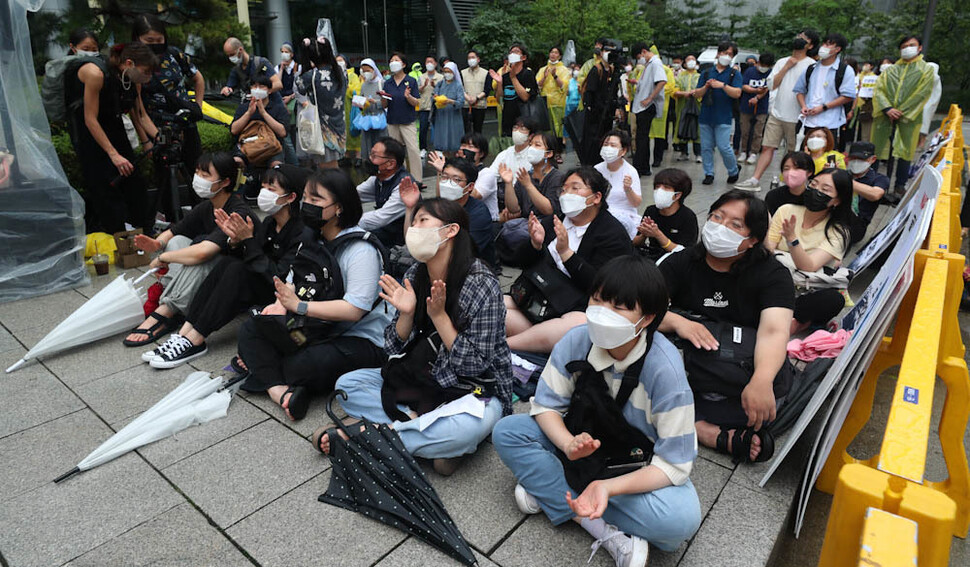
386 221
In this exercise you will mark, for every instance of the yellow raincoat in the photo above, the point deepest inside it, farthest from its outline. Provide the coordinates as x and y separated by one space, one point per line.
686 81
906 86
658 127
353 87
555 95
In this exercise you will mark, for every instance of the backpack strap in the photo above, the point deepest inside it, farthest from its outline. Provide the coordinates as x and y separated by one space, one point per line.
839 75
631 376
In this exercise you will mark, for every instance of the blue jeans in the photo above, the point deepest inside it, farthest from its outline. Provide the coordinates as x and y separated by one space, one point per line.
666 517
447 437
719 135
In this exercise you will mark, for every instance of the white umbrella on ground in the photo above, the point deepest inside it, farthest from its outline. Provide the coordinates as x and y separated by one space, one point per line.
199 399
116 308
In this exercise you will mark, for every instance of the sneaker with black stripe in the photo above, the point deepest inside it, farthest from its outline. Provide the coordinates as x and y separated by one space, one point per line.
178 350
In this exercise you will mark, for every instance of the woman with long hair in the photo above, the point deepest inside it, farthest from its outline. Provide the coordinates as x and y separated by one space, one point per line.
325 86
816 234
448 342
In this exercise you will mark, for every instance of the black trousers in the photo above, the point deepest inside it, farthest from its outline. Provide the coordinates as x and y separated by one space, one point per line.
315 367
111 199
641 160
474 119
228 289
818 307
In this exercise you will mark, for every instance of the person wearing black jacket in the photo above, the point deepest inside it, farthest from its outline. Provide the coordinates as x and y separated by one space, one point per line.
586 238
600 101
244 277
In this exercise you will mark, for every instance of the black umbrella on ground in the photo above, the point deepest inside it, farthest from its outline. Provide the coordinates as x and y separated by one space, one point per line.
803 388
373 474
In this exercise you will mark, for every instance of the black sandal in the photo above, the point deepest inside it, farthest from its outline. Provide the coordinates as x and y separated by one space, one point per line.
741 444
236 367
299 402
161 327
318 435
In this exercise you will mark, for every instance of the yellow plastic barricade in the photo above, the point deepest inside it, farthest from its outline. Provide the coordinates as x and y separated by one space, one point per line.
888 540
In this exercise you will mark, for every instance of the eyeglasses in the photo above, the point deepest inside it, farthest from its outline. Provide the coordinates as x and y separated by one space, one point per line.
372 155
461 182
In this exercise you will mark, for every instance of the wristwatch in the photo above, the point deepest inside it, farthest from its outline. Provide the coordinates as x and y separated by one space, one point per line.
825 106
793 243
301 308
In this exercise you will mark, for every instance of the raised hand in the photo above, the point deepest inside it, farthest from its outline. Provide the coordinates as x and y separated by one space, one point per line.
505 173
410 194
562 239
400 297
436 302
437 159
537 234
286 295
788 228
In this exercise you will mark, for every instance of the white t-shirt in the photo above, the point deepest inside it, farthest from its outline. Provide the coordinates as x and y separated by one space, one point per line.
784 105
619 205
487 187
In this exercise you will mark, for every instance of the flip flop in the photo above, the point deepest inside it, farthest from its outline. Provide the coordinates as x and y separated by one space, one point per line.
299 402
318 435
236 367
163 325
741 446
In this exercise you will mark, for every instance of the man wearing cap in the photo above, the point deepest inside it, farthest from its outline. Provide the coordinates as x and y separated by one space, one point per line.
868 187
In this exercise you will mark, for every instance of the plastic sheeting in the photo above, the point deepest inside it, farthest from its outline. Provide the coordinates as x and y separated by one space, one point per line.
41 216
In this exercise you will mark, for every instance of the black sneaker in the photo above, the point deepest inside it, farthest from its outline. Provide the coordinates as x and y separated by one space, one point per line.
708 180
733 178
178 351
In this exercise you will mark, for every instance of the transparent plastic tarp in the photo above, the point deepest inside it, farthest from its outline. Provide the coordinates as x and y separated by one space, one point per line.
41 216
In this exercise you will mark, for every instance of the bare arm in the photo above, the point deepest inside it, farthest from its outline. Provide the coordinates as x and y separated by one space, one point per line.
199 84
193 255
93 81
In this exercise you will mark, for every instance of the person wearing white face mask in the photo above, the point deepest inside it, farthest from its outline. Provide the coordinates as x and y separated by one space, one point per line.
730 279
647 104
668 223
618 350
553 80
718 85
259 251
246 67
567 253
526 193
370 105
826 87
820 144
600 102
519 86
625 194
449 99
868 187
475 80
263 107
288 69
427 82
400 97
686 82
189 247
83 42
452 300
754 107
516 157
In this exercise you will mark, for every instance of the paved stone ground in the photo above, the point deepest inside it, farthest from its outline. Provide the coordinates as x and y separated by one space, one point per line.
242 490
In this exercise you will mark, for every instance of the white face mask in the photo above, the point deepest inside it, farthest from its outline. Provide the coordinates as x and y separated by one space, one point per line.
450 190
676 66
519 138
449 76
285 56
763 69
691 64
628 68
858 166
202 187
720 241
642 61
259 94
909 52
343 65
395 66
429 66
724 60
572 204
815 144
472 62
884 66
606 56
824 52
534 155
266 200
608 329
514 58
663 198
235 59
609 154
423 243
368 75
575 72
83 53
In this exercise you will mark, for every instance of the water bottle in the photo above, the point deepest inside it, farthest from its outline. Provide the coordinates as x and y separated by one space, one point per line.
774 183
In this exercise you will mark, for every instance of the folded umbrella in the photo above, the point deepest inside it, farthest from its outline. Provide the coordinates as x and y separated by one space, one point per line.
803 387
116 308
373 474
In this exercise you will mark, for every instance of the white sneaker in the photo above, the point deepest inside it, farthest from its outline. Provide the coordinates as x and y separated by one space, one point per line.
626 550
526 502
752 159
750 184
179 350
742 156
699 159
424 154
151 355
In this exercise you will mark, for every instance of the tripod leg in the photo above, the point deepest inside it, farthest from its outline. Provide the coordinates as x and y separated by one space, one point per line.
173 186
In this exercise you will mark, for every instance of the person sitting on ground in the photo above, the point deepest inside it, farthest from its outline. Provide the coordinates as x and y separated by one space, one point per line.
264 108
730 278
668 222
515 157
190 246
474 148
386 221
572 249
450 323
243 277
331 210
796 169
868 186
526 192
625 195
816 234
655 503
820 144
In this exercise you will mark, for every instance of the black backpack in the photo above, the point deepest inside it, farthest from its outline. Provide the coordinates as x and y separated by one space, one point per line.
592 409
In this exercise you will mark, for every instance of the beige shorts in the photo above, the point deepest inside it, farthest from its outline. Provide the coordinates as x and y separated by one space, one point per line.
778 130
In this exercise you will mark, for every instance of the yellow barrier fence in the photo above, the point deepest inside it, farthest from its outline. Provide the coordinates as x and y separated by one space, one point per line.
926 343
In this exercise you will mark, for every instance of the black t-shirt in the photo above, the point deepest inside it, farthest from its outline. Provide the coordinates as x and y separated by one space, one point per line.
680 228
868 208
200 224
781 196
550 187
737 298
511 101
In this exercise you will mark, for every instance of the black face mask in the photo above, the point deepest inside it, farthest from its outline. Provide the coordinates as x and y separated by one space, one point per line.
370 168
468 154
312 216
798 44
814 200
158 48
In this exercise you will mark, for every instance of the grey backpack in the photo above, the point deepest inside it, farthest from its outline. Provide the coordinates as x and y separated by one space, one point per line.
53 92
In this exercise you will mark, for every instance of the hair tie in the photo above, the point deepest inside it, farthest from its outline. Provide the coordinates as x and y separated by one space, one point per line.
322 39
306 42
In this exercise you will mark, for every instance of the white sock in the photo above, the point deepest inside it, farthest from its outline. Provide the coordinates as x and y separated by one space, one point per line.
596 528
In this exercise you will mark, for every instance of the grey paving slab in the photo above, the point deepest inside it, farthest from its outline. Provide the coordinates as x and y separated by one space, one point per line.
740 530
416 552
241 416
298 530
86 363
125 394
784 482
181 536
240 475
37 456
8 341
45 311
31 396
316 415
221 347
479 497
58 522
715 456
538 542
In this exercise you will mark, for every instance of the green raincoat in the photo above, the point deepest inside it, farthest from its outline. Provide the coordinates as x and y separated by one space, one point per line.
686 81
658 127
353 88
905 86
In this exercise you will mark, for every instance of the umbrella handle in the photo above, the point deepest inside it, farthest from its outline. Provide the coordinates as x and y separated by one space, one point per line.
338 422
145 275
67 475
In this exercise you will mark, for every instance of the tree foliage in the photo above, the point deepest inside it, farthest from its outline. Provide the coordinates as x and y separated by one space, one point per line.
687 26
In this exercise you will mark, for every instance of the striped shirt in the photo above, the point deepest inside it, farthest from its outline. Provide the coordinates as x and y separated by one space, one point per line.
661 406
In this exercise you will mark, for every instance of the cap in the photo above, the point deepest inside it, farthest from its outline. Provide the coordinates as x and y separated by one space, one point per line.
862 150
